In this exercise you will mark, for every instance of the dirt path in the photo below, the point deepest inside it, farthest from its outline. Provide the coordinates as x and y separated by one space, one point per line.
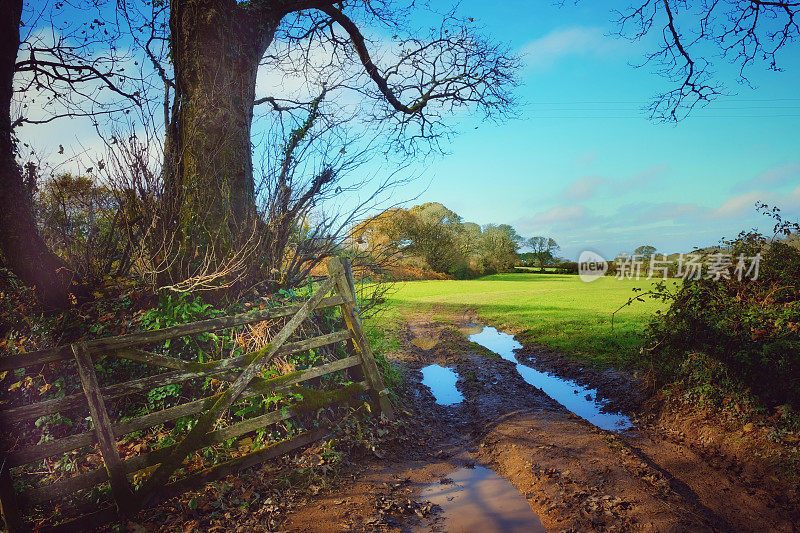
574 476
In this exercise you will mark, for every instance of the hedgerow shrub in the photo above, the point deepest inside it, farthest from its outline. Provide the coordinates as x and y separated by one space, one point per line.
750 327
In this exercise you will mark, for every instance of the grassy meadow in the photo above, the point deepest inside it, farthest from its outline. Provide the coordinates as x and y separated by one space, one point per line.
560 311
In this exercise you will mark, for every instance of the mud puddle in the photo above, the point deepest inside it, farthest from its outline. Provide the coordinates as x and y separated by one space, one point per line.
477 499
580 400
441 381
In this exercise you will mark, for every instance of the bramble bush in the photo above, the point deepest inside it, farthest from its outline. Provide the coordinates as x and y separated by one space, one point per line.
746 330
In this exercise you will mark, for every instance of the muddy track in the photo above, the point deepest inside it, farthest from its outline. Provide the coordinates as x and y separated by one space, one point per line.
574 476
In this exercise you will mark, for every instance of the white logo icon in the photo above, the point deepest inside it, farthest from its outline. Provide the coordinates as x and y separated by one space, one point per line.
591 266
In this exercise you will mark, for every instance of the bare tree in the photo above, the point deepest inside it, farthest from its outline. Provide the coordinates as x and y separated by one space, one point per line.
130 169
312 191
694 33
63 67
218 48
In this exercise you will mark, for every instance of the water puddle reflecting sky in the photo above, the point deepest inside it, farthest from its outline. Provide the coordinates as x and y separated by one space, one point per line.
442 382
477 499
580 400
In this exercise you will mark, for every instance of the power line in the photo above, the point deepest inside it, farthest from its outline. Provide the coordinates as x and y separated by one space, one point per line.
645 103
642 117
742 108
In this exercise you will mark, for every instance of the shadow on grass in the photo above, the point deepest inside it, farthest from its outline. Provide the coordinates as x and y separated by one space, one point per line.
527 277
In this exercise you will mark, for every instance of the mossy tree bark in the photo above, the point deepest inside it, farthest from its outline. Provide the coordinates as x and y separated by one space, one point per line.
216 49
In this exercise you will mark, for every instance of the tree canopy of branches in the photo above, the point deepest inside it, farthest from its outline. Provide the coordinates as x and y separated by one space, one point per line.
693 34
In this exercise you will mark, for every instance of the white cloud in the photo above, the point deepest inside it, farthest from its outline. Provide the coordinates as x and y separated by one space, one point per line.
591 186
545 51
743 205
554 220
588 158
739 205
673 212
648 175
561 214
583 188
773 177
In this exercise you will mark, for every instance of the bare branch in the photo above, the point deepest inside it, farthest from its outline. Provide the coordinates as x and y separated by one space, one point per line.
744 32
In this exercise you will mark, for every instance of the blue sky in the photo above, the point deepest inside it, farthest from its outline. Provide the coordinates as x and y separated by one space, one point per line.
580 162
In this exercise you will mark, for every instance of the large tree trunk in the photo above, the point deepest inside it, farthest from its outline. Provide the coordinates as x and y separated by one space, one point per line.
216 48
23 250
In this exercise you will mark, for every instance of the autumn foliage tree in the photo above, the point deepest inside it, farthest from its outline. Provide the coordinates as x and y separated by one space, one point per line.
438 237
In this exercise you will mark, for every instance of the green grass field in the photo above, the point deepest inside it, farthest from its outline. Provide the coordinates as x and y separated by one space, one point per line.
556 310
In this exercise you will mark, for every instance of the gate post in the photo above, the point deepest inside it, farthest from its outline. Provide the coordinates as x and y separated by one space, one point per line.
337 269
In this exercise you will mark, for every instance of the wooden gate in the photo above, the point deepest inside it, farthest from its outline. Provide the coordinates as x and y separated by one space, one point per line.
242 375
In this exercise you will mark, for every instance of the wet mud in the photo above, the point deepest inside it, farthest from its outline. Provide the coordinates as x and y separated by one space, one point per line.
571 473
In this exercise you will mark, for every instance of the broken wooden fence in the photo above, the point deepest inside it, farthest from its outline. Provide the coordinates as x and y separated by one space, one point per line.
243 375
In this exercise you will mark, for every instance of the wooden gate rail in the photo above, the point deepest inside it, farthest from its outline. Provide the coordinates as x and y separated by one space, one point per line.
241 375
98 346
49 407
